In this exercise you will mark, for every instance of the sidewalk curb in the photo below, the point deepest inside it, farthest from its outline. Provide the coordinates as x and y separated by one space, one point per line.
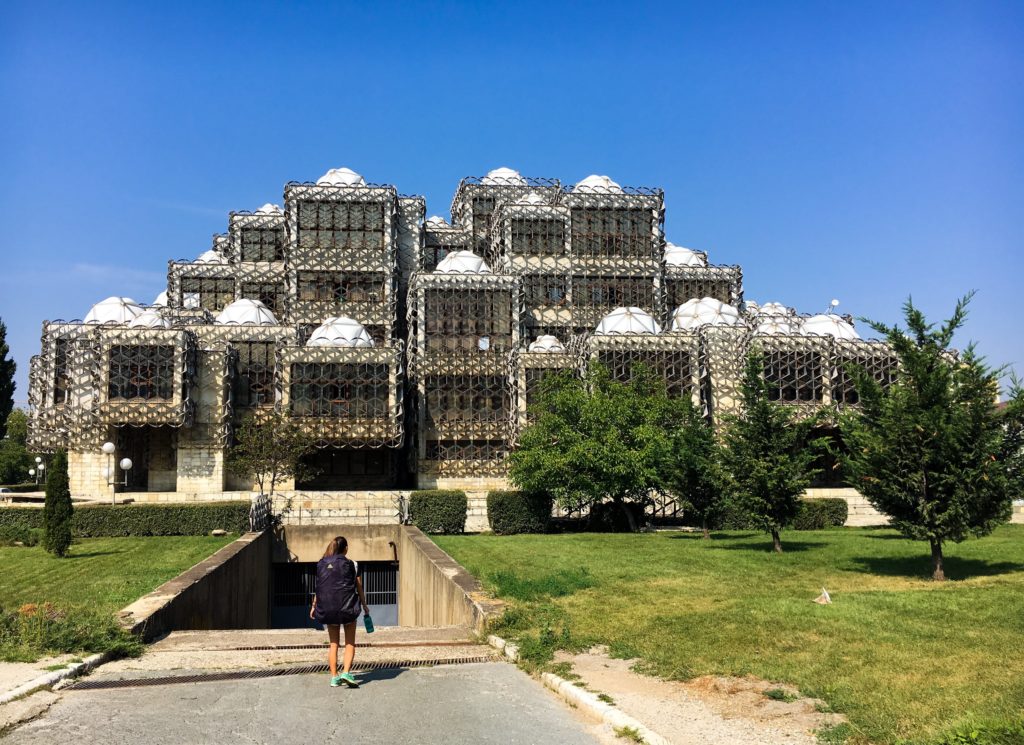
49 679
582 699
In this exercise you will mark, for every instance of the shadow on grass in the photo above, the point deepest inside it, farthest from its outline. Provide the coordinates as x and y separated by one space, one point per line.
715 535
920 567
766 545
90 554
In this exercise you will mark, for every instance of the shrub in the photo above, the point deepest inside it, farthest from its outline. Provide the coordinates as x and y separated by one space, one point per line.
439 510
612 517
12 534
818 514
985 732
92 521
57 512
511 512
22 488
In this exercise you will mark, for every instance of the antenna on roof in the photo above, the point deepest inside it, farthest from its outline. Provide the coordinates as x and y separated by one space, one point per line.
832 306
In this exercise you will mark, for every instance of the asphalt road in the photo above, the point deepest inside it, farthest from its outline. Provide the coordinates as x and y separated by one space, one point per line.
475 703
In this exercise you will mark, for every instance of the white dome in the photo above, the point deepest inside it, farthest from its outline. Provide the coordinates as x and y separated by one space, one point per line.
628 321
531 198
209 257
679 256
113 310
436 220
149 319
246 312
341 177
695 313
270 209
773 325
828 324
597 184
340 331
503 177
773 309
462 262
161 299
547 343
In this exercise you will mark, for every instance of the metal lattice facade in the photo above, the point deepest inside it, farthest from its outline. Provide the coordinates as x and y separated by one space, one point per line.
412 349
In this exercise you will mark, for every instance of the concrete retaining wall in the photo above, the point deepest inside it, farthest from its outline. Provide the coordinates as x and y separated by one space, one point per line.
229 590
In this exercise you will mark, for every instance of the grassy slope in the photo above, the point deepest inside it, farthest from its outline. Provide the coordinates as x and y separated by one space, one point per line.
104 573
900 655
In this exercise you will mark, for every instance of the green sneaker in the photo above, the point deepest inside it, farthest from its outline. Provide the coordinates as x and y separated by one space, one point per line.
348 679
336 681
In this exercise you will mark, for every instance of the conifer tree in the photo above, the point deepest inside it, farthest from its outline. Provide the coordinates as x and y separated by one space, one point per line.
57 509
768 454
931 451
7 386
693 473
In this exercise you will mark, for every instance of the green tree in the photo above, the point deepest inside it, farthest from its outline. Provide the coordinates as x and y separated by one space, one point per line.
7 386
768 454
694 472
932 451
17 427
269 449
57 509
596 440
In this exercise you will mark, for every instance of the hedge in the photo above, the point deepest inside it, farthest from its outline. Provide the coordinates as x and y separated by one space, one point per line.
821 513
23 488
93 521
439 510
511 512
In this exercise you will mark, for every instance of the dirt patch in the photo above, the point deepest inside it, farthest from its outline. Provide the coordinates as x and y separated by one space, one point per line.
707 710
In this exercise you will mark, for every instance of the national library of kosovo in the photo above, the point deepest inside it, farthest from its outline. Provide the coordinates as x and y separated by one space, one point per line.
411 348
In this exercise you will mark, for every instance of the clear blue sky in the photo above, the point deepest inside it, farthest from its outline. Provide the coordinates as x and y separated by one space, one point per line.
863 151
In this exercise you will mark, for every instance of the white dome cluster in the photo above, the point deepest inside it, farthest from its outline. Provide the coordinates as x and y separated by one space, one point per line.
246 312
531 198
270 209
436 221
623 321
340 331
547 343
462 262
209 257
149 319
829 324
707 310
114 310
160 301
595 184
341 177
503 177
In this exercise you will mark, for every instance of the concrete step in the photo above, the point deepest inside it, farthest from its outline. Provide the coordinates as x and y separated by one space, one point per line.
259 649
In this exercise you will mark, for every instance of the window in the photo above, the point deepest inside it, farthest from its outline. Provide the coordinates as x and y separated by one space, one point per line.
793 376
145 372
356 287
611 292
465 398
544 290
535 237
254 383
346 391
881 367
458 319
623 233
61 378
341 225
445 450
262 244
271 294
670 366
211 293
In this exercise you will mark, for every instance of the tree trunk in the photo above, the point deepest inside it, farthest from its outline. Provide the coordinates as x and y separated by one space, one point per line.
937 572
707 533
776 541
630 518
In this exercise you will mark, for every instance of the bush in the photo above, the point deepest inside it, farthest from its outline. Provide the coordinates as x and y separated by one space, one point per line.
818 514
511 512
57 512
23 488
611 517
985 732
12 534
439 510
35 630
93 521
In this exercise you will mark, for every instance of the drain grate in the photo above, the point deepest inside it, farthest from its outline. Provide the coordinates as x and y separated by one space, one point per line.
276 672
360 645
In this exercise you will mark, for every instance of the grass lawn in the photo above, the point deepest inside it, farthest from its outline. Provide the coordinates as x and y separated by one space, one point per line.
103 573
901 656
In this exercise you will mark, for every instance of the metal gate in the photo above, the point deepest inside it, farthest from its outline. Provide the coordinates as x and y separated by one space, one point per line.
293 586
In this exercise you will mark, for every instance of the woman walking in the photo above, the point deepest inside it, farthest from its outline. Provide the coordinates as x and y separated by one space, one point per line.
337 602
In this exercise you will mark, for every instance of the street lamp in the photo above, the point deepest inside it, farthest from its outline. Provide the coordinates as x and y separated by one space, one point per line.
32 475
126 465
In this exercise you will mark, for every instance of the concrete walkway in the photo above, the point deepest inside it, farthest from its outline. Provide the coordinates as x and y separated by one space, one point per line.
471 703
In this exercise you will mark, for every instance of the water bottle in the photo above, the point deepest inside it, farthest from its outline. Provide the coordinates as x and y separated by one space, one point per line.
368 623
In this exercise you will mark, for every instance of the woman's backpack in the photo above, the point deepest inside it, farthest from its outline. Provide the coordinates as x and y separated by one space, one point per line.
337 599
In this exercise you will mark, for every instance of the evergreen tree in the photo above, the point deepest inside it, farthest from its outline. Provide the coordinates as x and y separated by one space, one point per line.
57 509
596 440
932 451
7 370
768 454
694 472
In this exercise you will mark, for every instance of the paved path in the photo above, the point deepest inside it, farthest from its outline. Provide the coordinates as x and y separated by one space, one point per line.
472 703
